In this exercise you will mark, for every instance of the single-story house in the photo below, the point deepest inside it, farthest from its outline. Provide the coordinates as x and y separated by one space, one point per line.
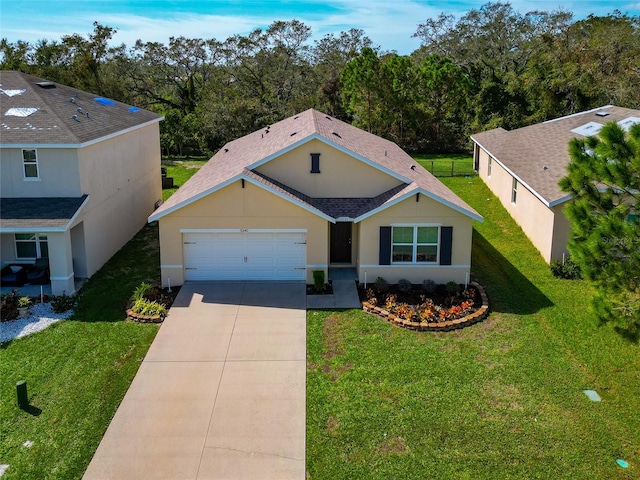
79 175
307 193
522 168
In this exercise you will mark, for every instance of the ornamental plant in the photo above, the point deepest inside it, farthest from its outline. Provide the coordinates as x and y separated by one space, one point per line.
24 302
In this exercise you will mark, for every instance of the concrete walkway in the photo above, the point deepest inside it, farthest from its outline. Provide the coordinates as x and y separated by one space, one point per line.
221 392
345 295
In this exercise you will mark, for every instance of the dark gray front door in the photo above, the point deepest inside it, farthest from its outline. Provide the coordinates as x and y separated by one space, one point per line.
341 242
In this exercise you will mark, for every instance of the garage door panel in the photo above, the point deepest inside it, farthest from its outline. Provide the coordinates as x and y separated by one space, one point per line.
245 256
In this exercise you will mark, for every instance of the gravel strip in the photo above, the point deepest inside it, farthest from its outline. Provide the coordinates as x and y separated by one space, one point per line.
41 315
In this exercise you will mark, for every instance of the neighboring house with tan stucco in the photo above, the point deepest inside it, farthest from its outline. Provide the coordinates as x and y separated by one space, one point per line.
308 193
79 176
522 168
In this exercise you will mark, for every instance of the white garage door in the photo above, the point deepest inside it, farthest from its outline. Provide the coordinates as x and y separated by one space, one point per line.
246 255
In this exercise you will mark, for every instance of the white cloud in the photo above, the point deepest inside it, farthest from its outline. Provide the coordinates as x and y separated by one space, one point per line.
389 23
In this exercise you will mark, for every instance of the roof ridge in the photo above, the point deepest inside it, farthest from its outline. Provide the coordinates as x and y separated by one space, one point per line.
577 114
316 126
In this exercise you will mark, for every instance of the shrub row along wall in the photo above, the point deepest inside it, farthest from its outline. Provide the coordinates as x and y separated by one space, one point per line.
447 325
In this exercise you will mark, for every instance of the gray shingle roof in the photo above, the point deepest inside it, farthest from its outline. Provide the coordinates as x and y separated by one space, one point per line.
38 213
527 151
237 158
53 122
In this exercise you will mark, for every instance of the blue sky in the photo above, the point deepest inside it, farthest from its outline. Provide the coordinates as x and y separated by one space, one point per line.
389 23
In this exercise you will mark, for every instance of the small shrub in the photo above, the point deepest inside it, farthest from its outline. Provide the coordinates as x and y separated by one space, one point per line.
143 306
568 270
140 291
381 285
62 303
24 302
9 306
429 286
404 285
452 288
318 281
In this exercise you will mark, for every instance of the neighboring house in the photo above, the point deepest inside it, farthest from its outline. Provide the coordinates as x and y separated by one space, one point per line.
522 167
311 192
79 176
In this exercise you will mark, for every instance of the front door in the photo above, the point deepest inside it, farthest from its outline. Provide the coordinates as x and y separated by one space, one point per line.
341 242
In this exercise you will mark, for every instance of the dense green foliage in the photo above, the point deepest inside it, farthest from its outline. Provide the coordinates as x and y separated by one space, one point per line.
604 181
568 269
499 400
493 67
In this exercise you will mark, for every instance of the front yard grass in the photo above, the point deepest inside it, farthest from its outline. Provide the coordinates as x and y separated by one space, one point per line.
499 400
77 371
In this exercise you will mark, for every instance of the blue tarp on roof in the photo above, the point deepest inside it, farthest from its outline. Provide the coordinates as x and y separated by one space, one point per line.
104 101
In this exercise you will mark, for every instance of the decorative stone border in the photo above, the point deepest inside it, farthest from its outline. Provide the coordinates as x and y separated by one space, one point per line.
136 317
445 326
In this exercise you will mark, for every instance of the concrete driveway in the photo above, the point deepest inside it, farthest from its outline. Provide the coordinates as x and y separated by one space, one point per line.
221 392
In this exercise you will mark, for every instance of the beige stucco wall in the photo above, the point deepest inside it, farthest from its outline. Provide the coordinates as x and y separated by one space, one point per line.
57 170
537 221
425 211
122 177
561 232
234 207
337 173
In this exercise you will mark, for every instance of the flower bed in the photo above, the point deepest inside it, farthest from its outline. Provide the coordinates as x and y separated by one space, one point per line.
425 314
150 304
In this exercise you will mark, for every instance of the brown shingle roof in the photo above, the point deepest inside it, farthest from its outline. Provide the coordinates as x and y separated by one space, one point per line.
53 122
527 151
38 213
237 158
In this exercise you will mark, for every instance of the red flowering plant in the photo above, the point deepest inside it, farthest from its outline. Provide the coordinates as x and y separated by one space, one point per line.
427 311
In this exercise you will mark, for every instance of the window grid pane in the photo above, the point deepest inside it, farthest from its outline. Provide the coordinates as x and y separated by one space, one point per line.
427 235
26 249
402 253
29 155
403 235
427 253
30 171
44 249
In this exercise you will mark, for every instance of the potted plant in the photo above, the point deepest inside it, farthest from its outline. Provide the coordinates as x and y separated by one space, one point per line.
23 306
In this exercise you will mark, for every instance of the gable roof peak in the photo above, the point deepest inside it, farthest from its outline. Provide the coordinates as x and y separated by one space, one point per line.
247 153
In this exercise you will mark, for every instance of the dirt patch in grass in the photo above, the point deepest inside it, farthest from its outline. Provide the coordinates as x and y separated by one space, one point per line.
393 446
333 425
333 348
332 338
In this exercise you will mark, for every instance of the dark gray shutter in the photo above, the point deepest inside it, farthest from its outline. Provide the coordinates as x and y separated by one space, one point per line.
446 241
385 246
315 163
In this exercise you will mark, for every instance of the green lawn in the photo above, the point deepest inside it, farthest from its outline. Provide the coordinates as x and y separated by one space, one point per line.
447 164
499 400
502 399
77 371
181 169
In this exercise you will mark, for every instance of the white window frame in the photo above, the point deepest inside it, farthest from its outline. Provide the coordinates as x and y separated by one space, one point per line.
514 191
489 168
26 163
415 244
37 241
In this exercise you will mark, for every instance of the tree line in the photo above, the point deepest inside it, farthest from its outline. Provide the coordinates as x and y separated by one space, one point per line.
492 67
